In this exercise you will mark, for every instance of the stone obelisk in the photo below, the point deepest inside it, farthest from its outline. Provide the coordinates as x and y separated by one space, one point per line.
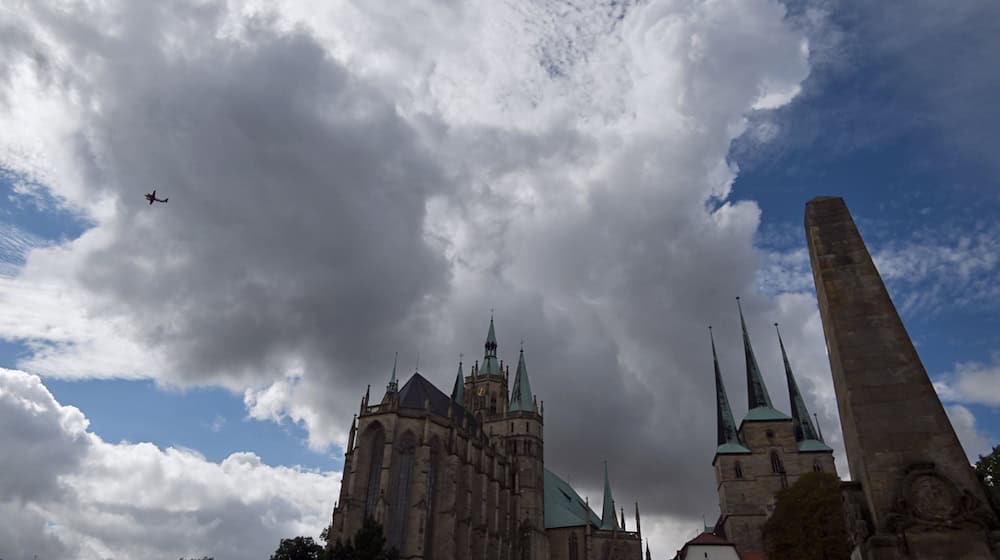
914 494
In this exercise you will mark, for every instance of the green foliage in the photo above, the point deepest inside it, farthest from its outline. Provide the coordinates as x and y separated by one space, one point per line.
808 521
299 548
988 468
368 544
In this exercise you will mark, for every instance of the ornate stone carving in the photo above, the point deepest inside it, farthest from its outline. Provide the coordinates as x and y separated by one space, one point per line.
927 500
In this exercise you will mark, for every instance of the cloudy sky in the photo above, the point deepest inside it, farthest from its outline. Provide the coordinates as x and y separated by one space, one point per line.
352 179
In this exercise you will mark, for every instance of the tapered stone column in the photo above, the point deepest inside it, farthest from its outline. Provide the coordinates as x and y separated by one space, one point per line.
923 499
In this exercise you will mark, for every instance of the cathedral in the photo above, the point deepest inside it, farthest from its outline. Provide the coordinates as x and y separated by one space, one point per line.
767 452
462 475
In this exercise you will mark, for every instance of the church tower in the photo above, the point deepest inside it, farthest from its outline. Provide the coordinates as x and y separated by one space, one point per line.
767 453
516 419
486 387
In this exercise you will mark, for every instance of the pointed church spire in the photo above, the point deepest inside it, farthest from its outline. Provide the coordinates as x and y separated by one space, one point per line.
756 391
804 427
393 385
521 398
608 520
491 366
727 438
648 557
458 391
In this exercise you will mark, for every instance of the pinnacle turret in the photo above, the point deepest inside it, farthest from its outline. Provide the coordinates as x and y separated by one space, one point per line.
393 385
491 366
458 391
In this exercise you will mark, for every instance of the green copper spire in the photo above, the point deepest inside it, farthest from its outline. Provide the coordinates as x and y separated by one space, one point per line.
491 366
728 438
458 391
608 520
804 428
521 398
756 391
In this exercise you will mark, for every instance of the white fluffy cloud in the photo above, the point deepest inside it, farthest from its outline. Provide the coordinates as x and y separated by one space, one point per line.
972 383
65 493
353 180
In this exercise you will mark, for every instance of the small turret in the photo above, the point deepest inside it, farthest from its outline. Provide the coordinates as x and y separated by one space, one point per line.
458 391
491 366
393 385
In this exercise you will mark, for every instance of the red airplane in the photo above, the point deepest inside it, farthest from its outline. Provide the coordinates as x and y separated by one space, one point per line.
151 197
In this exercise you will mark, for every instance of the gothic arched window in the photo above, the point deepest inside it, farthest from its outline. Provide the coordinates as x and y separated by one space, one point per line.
817 466
399 504
738 469
375 440
776 466
573 549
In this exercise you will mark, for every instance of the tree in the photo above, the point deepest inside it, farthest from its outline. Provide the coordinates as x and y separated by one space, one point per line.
988 470
299 548
808 521
368 544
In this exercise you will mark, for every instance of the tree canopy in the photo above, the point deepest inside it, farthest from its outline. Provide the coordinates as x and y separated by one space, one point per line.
988 470
367 544
808 521
298 548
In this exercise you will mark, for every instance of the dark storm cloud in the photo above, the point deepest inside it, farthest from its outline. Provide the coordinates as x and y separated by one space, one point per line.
296 198
301 197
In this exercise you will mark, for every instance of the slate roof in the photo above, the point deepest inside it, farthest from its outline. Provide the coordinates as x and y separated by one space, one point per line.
419 390
762 413
563 506
808 445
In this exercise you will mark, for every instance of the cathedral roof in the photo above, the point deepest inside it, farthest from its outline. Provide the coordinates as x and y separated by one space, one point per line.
564 507
418 392
762 413
813 445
